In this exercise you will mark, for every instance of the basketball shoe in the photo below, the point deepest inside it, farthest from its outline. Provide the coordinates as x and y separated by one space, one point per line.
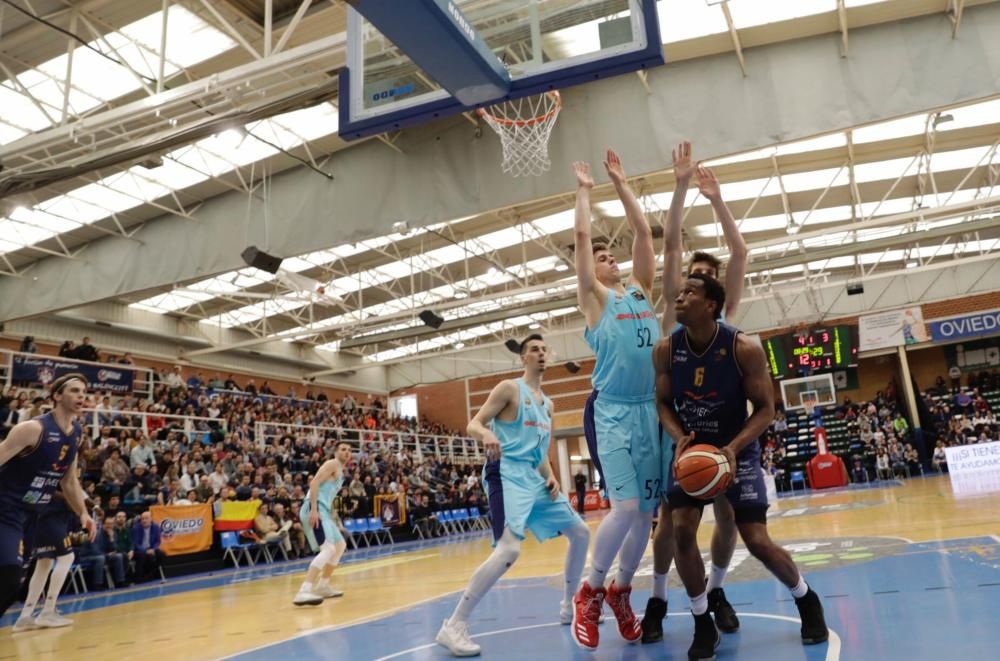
620 600
456 638
587 605
723 611
652 620
706 638
814 629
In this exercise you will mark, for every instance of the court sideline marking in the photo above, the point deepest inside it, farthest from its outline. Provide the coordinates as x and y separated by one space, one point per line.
832 651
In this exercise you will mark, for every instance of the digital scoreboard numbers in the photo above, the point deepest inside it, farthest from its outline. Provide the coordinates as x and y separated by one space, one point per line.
818 350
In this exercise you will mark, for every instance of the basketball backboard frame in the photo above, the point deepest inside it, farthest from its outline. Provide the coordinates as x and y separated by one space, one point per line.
358 118
820 388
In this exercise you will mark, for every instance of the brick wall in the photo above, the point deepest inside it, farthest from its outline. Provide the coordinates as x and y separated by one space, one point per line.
443 403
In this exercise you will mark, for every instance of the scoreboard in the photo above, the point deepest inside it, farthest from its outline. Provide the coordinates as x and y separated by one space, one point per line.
821 349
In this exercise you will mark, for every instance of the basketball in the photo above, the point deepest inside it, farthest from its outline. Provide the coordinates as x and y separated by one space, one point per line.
703 471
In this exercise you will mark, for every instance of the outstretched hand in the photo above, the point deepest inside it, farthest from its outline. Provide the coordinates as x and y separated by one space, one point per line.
582 171
615 169
684 167
708 185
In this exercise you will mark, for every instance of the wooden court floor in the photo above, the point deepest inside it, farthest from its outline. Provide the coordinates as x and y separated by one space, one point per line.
208 618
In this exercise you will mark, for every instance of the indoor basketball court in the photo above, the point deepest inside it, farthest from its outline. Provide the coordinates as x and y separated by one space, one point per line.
292 224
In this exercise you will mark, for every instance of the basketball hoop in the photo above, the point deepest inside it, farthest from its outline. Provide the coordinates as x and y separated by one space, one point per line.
524 126
810 400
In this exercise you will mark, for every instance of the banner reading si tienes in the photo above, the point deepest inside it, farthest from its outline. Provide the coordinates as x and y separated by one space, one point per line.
40 369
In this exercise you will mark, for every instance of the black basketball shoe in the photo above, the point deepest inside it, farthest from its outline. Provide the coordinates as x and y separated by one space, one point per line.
814 629
652 620
725 614
706 638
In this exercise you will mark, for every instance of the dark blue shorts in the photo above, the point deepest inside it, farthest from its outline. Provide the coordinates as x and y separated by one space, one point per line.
590 433
747 494
17 535
52 533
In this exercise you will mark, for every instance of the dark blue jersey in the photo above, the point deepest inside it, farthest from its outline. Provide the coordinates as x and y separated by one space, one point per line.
29 479
708 388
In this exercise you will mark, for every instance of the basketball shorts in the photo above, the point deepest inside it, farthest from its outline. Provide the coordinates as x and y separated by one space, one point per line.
327 530
519 500
590 433
747 493
52 533
628 445
17 535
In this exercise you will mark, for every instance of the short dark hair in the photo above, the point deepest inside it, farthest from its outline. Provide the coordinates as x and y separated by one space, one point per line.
524 342
59 384
713 291
700 256
597 246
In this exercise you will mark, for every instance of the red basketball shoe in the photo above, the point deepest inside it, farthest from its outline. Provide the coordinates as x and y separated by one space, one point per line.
587 604
620 600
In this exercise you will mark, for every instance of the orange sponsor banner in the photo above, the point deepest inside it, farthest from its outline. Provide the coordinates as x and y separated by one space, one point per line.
183 528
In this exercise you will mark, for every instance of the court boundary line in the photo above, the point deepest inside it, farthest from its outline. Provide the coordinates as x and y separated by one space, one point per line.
344 625
832 650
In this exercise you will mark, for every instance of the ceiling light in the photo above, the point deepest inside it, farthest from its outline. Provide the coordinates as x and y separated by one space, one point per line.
575 457
534 325
793 228
562 267
460 345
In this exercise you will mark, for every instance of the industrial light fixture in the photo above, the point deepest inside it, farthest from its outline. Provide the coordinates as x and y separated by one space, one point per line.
942 119
513 346
855 288
431 318
572 367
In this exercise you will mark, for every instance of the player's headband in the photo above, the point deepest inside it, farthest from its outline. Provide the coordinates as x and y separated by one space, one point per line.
60 384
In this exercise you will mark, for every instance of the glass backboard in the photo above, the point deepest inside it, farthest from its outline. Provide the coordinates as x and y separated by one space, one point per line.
544 44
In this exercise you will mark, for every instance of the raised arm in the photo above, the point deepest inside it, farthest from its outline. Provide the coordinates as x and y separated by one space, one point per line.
672 257
587 287
500 398
643 256
759 390
737 267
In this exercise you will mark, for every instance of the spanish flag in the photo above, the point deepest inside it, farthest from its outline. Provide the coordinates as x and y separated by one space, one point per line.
236 515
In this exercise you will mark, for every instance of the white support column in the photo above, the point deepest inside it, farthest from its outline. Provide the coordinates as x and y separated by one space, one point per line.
565 479
911 397
163 46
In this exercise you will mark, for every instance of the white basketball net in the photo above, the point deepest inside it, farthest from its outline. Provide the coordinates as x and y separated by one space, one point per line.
524 126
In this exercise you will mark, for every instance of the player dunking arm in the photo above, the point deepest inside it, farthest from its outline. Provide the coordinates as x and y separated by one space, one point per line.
37 456
705 373
724 534
515 427
317 522
621 329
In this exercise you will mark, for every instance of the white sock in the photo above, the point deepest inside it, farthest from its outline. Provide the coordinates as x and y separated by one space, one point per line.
609 538
576 558
504 555
306 587
633 548
660 586
59 573
716 577
699 604
36 585
800 589
324 582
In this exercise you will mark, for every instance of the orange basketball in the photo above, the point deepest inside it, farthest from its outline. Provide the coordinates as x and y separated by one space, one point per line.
703 471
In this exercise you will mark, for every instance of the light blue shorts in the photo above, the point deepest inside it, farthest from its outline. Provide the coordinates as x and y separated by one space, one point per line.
628 445
327 531
518 500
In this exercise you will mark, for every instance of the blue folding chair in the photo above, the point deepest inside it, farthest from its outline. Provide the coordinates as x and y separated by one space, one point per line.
797 476
462 517
351 526
362 527
444 518
378 531
232 548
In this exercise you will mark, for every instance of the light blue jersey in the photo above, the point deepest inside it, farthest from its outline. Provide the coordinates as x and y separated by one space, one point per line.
527 437
324 505
516 490
623 341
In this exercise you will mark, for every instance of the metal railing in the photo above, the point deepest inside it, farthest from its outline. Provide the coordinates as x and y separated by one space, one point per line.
149 423
456 449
